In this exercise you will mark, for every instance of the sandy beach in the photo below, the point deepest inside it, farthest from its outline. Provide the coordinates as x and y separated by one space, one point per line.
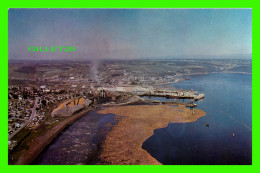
123 145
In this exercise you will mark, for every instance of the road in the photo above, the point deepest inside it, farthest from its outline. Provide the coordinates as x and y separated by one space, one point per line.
33 114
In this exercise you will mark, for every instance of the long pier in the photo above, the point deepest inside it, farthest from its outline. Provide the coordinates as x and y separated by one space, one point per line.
175 94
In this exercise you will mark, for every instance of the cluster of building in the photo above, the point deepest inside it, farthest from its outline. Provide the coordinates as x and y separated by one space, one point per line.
29 106
23 101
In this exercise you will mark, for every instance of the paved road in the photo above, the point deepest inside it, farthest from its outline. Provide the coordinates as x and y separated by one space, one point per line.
28 121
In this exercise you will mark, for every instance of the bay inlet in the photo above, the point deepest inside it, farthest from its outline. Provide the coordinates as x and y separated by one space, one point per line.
227 139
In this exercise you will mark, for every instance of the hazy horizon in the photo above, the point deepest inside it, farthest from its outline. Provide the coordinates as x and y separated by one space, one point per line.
131 33
204 57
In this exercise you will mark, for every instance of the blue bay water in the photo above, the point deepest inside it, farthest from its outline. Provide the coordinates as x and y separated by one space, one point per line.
228 107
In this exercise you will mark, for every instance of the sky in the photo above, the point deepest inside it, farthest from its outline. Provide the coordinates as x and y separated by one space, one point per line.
129 33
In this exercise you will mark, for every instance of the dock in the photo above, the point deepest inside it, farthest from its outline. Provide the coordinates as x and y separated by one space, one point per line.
177 94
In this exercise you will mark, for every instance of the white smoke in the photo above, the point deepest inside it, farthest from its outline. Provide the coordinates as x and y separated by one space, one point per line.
98 49
94 70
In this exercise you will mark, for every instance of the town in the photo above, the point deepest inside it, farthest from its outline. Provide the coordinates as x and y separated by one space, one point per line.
41 94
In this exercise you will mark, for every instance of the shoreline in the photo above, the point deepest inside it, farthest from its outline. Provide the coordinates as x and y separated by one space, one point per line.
234 72
215 72
193 74
41 142
123 144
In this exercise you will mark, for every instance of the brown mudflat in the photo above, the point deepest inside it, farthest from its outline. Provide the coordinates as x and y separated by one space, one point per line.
123 145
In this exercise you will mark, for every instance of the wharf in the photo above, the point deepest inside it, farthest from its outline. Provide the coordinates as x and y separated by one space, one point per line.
175 94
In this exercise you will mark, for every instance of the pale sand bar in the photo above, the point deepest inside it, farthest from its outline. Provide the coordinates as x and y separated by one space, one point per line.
123 145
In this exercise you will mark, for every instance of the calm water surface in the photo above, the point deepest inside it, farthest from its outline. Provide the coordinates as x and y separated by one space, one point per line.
228 104
79 143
